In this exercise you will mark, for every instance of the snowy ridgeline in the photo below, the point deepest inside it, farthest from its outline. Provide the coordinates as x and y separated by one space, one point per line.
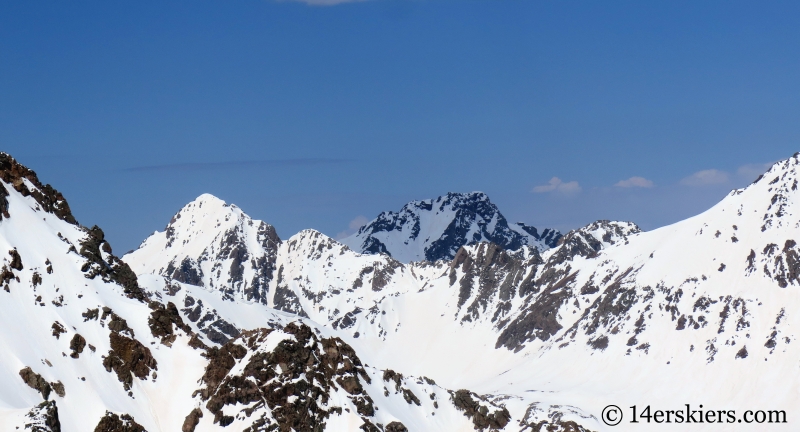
219 323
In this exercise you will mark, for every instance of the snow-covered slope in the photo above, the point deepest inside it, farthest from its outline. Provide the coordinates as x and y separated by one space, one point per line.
75 323
434 229
89 346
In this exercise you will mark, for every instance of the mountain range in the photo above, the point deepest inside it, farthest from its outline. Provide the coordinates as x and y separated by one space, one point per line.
442 316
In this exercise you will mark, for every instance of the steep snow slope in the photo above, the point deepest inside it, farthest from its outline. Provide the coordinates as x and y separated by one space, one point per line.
75 323
434 229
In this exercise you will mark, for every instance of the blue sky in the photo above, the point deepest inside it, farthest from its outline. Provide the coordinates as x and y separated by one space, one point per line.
309 116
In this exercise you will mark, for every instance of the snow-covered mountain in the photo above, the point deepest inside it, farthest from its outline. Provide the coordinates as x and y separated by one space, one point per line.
251 332
435 229
212 244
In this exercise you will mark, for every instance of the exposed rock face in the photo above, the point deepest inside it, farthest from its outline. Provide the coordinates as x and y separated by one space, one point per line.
43 418
294 381
101 262
16 260
36 382
396 427
25 181
77 344
112 422
192 420
208 321
548 236
480 413
486 274
163 320
435 229
58 329
552 282
129 358
58 387
188 271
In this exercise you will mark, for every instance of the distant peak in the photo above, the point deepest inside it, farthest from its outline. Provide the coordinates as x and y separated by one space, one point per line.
208 204
208 198
473 194
465 196
435 229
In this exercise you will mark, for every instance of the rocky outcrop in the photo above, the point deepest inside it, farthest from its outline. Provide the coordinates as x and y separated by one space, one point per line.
192 420
128 358
553 282
208 321
20 178
112 422
396 426
164 320
36 382
293 381
188 272
483 414
101 262
43 418
77 344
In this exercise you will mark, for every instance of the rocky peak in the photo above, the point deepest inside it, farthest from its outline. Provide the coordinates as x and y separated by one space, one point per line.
212 244
435 229
208 214
589 240
25 181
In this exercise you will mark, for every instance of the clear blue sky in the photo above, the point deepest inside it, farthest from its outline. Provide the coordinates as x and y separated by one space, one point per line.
309 116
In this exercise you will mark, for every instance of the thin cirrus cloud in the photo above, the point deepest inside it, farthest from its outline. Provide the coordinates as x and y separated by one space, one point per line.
752 171
717 177
706 177
352 227
327 2
556 185
275 163
635 182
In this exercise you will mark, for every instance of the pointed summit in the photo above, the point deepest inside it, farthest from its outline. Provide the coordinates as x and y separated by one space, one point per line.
212 244
435 229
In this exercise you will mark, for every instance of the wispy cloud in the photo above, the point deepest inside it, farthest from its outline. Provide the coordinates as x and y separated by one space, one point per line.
706 177
326 2
199 166
558 186
752 171
635 182
352 227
